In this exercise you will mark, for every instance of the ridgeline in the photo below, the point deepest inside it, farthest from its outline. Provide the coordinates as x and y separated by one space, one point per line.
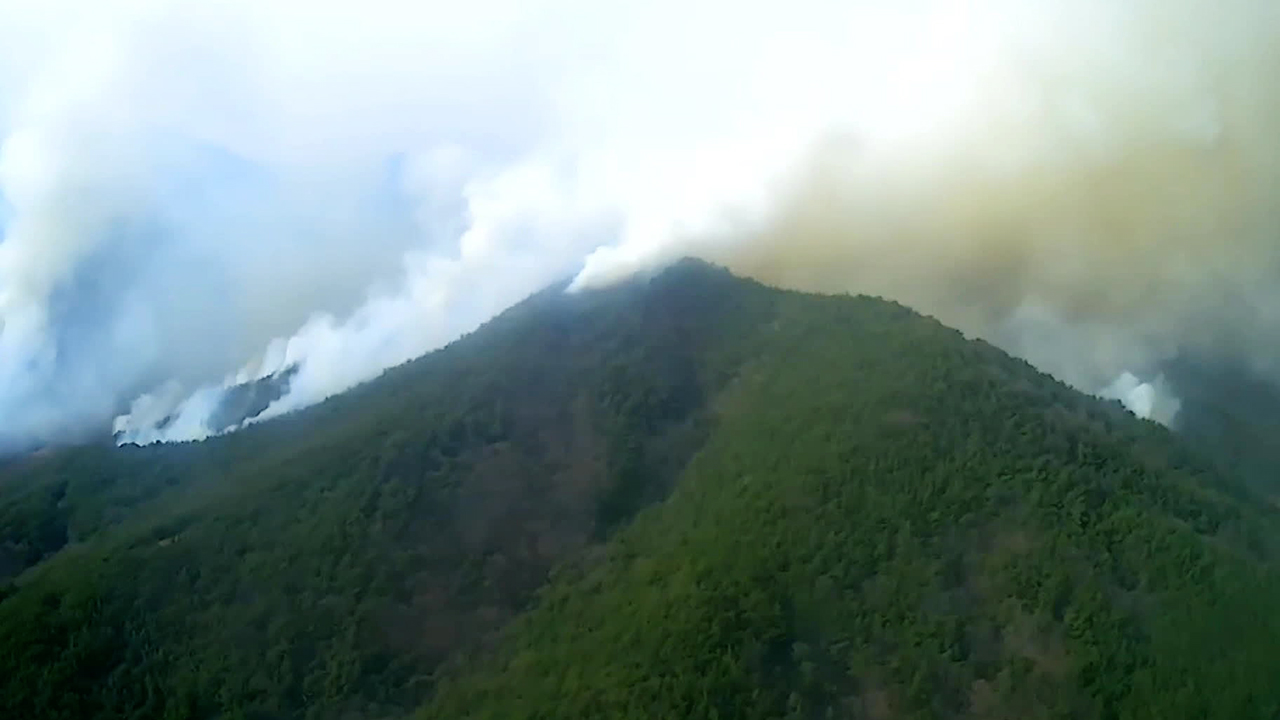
689 495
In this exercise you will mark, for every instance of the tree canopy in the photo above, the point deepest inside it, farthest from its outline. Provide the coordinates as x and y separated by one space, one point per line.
686 496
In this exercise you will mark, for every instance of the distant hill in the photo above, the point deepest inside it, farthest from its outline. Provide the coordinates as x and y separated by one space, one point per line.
1231 415
689 495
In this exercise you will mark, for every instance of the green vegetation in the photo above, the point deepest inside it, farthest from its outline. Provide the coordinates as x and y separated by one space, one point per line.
688 496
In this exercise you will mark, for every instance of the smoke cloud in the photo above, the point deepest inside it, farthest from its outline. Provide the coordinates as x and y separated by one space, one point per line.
201 197
1090 185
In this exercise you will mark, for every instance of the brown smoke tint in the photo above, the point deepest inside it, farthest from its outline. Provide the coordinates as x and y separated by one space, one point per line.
1117 200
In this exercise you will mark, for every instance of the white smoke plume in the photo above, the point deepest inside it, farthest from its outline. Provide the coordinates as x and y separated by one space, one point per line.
198 194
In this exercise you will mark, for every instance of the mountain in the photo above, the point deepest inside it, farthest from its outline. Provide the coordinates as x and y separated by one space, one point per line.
1232 415
689 495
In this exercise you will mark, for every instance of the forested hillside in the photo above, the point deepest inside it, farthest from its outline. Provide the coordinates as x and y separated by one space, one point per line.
686 496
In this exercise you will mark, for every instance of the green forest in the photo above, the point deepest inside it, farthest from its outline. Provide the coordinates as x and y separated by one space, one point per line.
686 496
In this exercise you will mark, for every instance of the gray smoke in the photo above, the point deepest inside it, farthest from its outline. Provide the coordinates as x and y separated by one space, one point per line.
195 194
201 196
1091 185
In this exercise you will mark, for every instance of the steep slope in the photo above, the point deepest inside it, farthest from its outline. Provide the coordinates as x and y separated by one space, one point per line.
687 496
895 522
330 561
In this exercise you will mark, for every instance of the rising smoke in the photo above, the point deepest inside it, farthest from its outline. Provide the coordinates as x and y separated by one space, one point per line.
201 196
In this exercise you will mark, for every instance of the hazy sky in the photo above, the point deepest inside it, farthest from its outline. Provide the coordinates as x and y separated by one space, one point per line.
197 193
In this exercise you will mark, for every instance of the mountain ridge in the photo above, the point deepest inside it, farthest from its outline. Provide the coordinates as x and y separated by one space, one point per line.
689 495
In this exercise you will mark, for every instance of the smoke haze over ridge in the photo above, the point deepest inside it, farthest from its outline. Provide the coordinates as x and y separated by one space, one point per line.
201 194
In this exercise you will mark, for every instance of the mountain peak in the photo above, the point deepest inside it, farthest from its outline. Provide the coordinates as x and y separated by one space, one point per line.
690 494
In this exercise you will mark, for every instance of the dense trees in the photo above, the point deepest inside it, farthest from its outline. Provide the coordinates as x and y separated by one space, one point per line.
689 496
891 520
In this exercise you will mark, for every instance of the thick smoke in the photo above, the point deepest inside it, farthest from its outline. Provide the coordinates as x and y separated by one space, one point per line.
1091 185
196 194
202 197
